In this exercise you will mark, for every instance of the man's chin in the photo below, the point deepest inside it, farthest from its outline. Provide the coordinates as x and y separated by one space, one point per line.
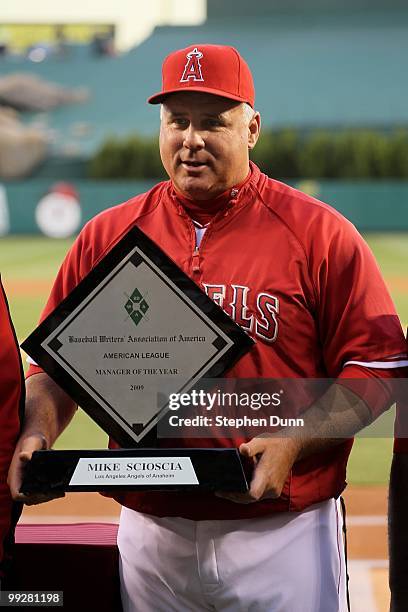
196 190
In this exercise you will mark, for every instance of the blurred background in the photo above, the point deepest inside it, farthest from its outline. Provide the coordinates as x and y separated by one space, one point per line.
77 136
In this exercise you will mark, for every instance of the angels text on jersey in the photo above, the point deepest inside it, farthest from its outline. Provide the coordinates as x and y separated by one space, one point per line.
238 302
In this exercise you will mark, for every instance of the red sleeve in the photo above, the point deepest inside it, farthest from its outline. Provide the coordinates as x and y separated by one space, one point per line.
356 316
401 426
379 388
401 420
11 409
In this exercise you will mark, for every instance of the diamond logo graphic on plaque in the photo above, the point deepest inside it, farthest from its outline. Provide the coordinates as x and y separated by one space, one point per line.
122 369
136 306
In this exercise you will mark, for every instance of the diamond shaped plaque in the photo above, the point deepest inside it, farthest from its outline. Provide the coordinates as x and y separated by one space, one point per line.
133 331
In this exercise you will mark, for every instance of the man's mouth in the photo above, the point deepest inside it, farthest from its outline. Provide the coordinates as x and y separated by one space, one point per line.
193 164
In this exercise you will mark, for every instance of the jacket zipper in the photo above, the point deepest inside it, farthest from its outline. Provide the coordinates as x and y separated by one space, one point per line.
196 260
196 253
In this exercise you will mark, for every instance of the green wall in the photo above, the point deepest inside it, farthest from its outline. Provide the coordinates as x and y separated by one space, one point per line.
371 206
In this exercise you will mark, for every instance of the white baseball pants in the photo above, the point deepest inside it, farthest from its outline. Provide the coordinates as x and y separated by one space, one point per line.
285 562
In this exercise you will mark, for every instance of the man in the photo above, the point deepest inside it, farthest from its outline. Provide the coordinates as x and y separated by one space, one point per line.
12 394
301 281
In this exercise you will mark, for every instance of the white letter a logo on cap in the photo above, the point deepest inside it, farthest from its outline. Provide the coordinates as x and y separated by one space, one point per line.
192 69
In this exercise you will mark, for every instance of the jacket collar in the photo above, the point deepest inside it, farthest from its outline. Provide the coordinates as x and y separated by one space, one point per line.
229 199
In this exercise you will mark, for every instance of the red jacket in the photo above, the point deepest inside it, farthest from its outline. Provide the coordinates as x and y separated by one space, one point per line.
11 408
401 420
295 275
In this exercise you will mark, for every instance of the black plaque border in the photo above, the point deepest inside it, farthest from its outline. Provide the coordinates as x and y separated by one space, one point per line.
133 238
222 469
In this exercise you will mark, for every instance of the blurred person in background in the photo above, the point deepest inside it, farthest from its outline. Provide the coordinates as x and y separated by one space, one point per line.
103 43
12 397
398 507
4 41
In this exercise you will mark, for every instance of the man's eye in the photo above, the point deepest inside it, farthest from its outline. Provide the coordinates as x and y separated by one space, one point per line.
180 121
213 123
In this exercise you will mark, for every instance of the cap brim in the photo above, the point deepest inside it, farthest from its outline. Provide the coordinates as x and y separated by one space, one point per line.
158 98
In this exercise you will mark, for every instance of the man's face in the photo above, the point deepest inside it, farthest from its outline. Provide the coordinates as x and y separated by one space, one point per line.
204 142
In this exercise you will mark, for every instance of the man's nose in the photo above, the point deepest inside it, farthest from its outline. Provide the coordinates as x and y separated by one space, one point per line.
193 139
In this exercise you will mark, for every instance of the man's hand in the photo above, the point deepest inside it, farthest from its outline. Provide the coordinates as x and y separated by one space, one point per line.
48 411
333 418
273 459
22 455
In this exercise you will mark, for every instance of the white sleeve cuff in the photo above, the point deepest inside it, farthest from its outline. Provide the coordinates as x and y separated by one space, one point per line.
31 361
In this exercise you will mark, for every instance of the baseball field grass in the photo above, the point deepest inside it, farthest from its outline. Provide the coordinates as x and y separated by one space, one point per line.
29 264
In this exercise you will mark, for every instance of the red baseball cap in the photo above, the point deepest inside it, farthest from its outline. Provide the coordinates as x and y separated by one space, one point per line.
214 69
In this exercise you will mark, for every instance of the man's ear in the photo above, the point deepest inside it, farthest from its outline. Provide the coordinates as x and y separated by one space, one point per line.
254 129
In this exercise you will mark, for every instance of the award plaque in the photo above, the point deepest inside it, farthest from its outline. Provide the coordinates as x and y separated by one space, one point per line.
135 330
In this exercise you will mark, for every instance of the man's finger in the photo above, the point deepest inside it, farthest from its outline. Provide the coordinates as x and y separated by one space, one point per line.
263 476
25 456
258 447
22 455
254 447
33 442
